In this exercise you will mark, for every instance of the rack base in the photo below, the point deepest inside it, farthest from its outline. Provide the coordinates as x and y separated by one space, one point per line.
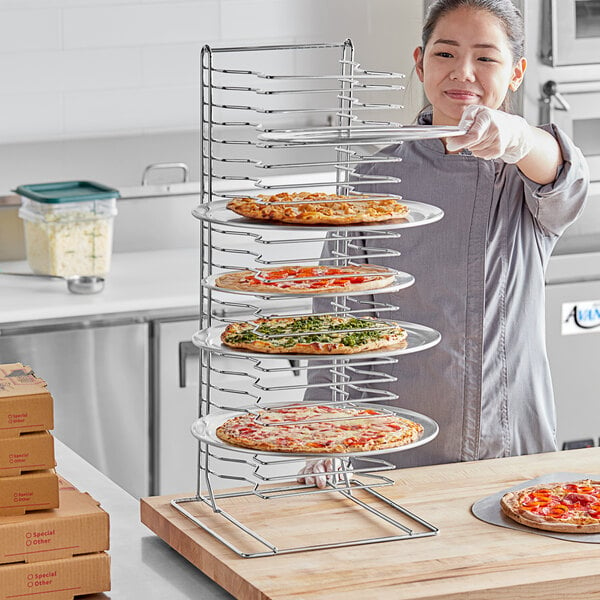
280 526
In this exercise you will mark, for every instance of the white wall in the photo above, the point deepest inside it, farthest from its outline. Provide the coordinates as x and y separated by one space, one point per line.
87 68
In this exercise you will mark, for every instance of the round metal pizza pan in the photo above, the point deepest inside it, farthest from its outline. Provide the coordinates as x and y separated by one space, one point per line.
217 212
419 337
205 430
401 281
357 134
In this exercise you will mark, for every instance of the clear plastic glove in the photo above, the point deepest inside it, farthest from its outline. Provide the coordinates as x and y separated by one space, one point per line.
322 471
492 134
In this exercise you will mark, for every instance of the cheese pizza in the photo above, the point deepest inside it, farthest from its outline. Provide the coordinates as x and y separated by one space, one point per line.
319 208
307 280
319 429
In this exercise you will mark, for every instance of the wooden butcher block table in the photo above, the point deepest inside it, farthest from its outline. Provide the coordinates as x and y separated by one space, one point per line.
467 559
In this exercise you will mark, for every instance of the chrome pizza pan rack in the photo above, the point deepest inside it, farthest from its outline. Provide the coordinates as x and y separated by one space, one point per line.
306 116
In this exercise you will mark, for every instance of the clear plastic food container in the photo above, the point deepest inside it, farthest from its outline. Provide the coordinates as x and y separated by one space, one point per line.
68 227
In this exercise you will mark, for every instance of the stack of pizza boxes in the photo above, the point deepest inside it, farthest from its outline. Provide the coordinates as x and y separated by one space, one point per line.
53 538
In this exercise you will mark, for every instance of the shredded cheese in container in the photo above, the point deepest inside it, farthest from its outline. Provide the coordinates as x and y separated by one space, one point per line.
73 243
68 226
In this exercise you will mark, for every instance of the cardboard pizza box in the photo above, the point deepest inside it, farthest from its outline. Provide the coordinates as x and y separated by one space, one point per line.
61 579
64 485
25 403
78 526
27 452
37 490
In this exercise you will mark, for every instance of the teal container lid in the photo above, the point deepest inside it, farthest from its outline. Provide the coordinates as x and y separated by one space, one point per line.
67 191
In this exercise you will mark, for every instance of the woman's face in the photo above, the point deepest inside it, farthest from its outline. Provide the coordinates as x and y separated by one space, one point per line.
467 60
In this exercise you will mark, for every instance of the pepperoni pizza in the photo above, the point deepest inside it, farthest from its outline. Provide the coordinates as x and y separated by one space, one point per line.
568 507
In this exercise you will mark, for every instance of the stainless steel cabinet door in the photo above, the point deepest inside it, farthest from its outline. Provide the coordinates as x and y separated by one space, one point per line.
573 351
176 406
98 378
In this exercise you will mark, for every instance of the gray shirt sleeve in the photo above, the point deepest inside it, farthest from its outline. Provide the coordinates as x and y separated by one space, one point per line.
556 205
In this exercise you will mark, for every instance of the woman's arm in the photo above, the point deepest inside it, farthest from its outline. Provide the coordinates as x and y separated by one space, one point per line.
542 162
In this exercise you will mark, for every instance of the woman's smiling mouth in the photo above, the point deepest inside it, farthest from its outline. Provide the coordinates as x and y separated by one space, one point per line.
461 94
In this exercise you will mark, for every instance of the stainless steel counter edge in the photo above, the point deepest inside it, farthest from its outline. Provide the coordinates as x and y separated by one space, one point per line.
142 565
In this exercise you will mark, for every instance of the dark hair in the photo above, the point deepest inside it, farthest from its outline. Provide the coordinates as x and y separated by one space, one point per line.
504 10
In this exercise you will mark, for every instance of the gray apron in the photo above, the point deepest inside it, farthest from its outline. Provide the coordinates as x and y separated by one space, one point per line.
479 280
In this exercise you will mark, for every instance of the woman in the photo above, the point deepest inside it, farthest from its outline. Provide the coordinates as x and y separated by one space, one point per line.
508 191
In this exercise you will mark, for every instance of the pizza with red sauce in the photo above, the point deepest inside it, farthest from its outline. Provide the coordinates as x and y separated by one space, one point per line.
307 280
319 429
319 208
569 507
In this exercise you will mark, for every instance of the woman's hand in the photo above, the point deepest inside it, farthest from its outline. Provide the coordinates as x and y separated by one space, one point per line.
496 134
493 134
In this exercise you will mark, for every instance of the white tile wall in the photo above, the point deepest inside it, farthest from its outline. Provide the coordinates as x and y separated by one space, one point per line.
98 68
139 24
30 29
268 19
23 116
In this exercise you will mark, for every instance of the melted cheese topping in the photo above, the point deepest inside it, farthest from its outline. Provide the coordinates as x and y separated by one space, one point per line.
319 429
285 206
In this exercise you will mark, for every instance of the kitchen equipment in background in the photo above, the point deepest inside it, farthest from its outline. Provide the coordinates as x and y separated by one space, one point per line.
562 85
573 339
77 284
571 32
98 372
68 227
562 82
575 108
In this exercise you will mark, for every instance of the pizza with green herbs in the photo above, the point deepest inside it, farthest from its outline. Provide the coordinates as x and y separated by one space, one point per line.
314 334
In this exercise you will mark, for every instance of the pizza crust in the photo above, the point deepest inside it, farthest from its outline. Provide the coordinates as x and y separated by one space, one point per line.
320 430
236 281
327 209
510 505
316 348
393 338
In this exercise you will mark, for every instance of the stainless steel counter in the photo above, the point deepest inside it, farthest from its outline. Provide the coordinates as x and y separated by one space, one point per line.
143 567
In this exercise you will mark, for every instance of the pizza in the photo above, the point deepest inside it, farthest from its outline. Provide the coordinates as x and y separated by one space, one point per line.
319 429
307 280
319 208
314 334
568 507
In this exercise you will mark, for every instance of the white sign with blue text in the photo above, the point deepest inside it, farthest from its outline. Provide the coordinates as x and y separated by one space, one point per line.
580 317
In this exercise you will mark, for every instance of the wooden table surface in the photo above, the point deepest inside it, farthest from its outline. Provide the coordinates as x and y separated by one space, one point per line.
467 559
